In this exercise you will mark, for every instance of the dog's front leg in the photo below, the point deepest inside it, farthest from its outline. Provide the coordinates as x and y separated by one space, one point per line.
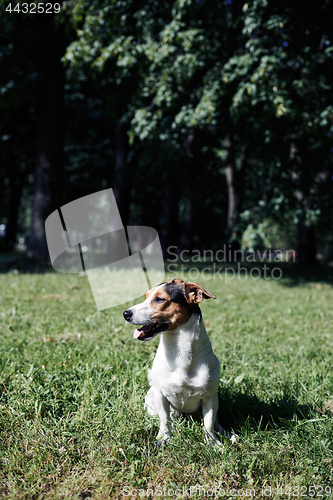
162 406
209 411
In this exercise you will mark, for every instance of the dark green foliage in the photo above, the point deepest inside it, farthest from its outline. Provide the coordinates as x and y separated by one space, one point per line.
190 110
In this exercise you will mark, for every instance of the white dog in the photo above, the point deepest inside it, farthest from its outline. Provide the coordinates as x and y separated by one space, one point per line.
185 372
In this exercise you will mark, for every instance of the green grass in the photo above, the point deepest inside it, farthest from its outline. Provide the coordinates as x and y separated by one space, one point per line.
73 381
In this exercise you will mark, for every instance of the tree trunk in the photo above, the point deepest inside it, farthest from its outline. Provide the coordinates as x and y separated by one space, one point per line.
307 248
306 244
49 135
186 217
233 198
165 223
185 242
15 186
121 179
235 184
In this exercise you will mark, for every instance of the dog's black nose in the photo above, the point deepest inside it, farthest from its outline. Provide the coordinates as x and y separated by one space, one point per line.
127 315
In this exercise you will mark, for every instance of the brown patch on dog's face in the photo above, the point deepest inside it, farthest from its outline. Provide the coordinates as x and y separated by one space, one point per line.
169 305
176 301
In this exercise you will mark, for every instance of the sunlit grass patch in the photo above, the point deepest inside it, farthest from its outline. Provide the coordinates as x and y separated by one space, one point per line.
73 381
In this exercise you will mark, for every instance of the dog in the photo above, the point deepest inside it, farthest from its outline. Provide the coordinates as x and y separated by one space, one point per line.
185 373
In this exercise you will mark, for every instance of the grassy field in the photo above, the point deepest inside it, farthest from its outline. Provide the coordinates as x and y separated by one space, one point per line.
73 381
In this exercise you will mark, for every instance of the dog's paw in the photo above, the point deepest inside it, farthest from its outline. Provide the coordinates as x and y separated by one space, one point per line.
214 442
161 442
162 439
233 438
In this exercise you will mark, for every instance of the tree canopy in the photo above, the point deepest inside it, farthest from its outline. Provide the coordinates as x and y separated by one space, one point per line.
200 115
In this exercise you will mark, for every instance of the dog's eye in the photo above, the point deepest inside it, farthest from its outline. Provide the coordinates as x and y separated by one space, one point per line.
159 299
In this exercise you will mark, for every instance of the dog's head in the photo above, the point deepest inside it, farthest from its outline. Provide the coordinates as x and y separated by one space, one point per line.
166 307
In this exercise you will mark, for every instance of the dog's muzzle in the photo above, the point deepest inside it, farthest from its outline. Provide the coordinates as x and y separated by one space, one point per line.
147 331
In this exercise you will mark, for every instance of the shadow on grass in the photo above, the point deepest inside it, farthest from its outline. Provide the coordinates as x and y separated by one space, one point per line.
20 261
286 273
293 274
238 410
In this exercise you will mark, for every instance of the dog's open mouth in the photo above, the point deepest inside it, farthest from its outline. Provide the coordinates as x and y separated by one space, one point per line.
147 332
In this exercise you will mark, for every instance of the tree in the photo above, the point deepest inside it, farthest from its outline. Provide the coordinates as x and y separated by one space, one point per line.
49 100
32 97
161 49
284 78
193 111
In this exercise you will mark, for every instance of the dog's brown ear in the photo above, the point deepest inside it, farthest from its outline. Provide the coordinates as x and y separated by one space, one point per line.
194 293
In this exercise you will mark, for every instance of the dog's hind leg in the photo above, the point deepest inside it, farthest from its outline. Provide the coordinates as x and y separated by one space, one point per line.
209 412
219 429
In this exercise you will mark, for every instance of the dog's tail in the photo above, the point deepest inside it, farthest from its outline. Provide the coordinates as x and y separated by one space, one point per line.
149 377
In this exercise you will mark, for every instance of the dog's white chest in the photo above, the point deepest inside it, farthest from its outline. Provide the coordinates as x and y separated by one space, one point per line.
185 369
184 390
184 395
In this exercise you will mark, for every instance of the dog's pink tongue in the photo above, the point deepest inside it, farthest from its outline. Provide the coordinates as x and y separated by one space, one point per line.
141 330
